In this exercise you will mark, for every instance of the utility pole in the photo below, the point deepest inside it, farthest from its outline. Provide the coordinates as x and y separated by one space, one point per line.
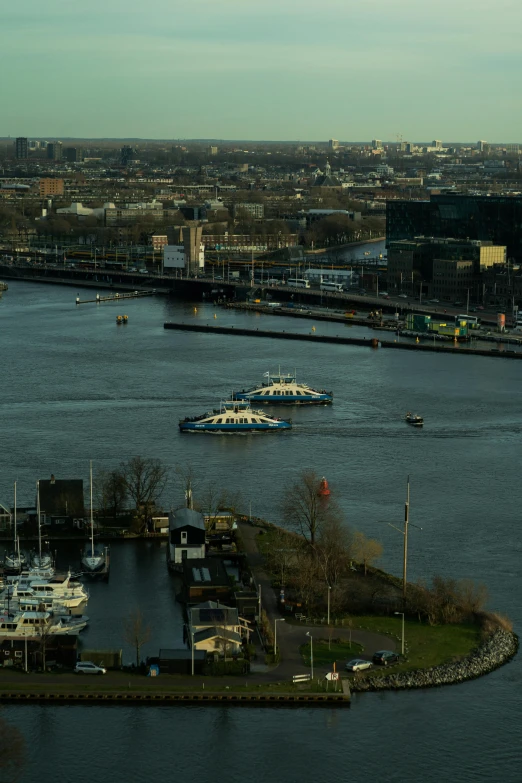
404 532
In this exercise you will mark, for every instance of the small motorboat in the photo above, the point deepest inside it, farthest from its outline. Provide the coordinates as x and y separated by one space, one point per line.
283 389
414 420
233 416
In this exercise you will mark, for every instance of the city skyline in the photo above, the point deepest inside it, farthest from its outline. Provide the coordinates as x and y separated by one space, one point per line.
262 72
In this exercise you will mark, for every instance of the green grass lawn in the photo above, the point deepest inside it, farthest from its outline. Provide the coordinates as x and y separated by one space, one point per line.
426 645
325 654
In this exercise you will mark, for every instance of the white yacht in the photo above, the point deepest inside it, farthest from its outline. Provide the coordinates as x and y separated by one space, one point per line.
35 625
63 589
25 599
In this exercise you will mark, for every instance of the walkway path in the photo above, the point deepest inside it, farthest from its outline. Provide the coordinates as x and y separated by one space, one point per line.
291 636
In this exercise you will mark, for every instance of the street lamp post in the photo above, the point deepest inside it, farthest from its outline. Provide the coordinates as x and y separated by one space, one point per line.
328 617
402 634
277 620
311 654
192 650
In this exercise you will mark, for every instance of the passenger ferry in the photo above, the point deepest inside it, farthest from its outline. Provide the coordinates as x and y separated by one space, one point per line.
233 416
284 389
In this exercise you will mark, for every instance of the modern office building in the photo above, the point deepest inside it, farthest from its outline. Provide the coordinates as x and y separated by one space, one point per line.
496 219
376 144
443 268
54 150
21 148
333 144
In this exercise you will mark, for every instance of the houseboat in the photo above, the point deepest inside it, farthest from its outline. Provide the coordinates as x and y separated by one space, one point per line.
281 389
233 416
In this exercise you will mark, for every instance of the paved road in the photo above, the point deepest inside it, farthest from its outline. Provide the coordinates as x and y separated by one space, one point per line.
291 636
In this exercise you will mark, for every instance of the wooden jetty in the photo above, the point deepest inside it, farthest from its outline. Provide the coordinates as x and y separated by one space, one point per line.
115 297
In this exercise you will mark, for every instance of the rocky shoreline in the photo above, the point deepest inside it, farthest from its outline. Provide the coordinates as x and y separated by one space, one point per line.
497 650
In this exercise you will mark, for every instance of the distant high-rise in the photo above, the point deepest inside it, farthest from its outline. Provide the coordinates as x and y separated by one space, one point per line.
376 144
482 146
333 144
126 155
73 154
54 150
437 144
21 148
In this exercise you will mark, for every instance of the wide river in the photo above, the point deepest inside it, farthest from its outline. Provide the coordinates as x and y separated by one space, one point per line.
75 387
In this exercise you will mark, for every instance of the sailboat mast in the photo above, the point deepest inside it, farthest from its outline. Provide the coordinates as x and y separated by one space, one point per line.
92 523
39 520
16 547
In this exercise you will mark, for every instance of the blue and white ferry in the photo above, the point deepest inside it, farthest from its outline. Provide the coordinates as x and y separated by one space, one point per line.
233 416
284 389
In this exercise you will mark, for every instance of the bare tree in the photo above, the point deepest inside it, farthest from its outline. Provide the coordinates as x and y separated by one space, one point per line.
216 498
304 509
188 479
366 550
135 632
144 479
110 491
11 752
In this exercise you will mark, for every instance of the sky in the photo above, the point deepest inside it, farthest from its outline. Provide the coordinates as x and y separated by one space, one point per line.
272 69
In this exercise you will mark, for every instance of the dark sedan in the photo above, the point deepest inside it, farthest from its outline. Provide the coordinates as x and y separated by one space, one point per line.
385 657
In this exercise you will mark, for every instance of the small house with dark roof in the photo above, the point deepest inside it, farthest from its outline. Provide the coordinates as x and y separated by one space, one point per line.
212 614
205 580
186 537
61 502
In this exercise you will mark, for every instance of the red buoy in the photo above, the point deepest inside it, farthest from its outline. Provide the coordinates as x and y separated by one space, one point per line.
324 489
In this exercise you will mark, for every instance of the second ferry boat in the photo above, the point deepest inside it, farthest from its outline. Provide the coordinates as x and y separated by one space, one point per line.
233 416
284 389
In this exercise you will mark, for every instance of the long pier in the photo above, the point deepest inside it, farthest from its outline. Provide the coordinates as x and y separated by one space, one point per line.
115 297
262 699
336 340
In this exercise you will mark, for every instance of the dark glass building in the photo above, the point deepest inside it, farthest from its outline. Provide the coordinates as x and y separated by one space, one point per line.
494 218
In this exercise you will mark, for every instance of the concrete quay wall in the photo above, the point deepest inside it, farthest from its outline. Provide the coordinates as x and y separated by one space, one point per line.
496 651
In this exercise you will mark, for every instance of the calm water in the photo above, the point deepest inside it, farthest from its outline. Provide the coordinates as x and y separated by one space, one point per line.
77 387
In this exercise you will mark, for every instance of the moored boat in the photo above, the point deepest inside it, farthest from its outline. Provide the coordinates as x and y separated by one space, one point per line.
233 416
281 389
94 555
414 420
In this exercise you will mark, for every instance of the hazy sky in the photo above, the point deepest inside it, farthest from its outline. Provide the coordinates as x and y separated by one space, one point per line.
271 69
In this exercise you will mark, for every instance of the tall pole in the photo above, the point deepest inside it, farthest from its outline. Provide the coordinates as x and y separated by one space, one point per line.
328 618
402 636
39 521
92 519
406 521
192 650
259 602
311 656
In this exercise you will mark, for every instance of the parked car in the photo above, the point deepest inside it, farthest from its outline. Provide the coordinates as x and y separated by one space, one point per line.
385 657
403 296
358 665
88 667
383 293
434 301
